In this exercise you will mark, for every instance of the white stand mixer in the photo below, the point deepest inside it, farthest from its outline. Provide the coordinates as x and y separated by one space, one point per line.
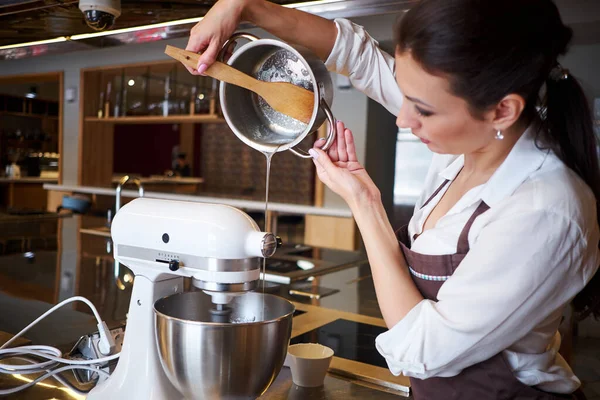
161 241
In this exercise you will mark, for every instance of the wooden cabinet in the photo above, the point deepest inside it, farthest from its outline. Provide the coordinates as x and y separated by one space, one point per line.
138 94
332 232
160 92
27 126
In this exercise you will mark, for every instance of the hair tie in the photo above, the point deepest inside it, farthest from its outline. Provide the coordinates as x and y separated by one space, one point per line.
558 73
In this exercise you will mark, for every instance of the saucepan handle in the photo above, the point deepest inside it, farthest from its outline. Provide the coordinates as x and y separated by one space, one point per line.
232 39
330 131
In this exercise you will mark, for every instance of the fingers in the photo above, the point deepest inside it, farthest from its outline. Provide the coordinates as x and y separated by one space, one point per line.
209 47
322 159
333 150
341 142
320 170
319 143
195 44
325 166
350 146
209 56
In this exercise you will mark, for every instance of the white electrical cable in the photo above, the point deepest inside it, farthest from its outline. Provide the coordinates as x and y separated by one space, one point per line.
4 392
58 377
27 350
10 368
50 311
54 355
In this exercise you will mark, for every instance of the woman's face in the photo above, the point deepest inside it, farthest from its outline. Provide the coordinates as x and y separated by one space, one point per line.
440 119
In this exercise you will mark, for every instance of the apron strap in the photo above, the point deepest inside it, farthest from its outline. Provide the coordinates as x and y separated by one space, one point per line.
436 192
416 235
463 240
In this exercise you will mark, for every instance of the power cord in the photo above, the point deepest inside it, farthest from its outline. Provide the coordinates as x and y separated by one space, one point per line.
106 346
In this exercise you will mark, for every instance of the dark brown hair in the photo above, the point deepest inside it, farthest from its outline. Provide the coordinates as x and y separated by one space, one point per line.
489 49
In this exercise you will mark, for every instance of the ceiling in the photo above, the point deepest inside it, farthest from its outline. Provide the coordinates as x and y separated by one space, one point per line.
584 17
32 20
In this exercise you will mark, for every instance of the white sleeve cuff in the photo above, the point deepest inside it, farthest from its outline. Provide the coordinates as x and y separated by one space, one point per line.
394 344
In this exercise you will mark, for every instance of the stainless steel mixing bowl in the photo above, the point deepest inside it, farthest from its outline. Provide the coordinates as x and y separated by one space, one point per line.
234 360
252 120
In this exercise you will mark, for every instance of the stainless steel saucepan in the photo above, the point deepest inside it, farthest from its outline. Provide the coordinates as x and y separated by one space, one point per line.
251 119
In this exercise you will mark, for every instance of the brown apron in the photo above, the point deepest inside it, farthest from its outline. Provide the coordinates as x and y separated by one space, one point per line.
488 380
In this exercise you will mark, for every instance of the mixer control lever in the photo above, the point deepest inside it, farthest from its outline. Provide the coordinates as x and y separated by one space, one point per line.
174 265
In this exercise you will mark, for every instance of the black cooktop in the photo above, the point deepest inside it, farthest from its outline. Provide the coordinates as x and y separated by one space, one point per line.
300 251
298 312
282 266
348 339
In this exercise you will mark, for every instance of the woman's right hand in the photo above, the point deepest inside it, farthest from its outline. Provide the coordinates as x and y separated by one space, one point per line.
209 35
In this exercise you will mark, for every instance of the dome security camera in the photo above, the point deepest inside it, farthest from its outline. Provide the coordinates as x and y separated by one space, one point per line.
100 14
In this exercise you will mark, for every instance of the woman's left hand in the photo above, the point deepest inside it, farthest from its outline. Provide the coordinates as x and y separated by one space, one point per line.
339 169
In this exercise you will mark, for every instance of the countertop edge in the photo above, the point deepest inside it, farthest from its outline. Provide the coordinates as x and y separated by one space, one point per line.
174 181
246 204
28 180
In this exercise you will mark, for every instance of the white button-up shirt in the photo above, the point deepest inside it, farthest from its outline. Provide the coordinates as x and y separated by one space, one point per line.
530 253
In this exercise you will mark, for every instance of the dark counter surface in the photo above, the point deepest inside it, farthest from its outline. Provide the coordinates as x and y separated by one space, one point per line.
77 264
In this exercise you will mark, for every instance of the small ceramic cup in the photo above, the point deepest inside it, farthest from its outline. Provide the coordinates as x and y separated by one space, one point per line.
309 363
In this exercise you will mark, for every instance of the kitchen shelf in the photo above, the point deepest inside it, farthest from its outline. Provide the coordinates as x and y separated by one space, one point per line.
102 231
172 119
22 114
23 140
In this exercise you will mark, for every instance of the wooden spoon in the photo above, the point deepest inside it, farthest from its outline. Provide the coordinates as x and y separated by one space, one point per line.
284 97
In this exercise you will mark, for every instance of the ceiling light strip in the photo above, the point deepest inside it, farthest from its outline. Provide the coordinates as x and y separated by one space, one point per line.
312 3
135 28
36 43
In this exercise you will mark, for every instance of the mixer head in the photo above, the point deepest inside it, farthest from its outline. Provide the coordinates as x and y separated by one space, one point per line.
218 246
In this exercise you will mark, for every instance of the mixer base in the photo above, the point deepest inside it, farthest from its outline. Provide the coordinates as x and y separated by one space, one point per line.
139 374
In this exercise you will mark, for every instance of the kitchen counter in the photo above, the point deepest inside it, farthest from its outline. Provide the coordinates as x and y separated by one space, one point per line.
337 386
173 185
84 268
33 216
24 193
334 388
258 206
176 180
28 179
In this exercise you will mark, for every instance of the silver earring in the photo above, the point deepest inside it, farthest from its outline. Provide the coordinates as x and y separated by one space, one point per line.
499 135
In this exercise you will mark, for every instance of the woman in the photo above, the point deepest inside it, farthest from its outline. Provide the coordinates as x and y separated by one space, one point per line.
505 234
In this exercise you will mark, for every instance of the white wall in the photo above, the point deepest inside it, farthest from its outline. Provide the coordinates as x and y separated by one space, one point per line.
349 106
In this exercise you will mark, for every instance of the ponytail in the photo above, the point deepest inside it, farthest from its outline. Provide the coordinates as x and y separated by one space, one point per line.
569 132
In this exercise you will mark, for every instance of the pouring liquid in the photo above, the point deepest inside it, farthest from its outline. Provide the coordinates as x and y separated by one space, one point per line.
268 222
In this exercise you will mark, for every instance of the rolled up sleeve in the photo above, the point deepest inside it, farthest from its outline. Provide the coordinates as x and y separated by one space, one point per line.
358 56
519 270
